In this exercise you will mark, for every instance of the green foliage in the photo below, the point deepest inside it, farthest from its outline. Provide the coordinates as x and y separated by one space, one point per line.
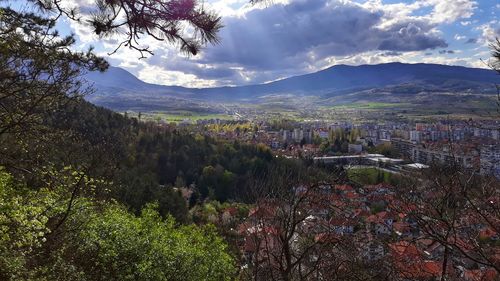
385 149
97 243
370 176
38 71
68 161
219 170
116 245
24 215
236 127
212 212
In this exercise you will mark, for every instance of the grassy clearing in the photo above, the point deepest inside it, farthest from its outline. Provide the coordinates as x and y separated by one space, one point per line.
371 105
179 116
370 176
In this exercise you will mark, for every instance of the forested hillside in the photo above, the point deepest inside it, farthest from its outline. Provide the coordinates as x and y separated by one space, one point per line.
86 165
87 194
90 194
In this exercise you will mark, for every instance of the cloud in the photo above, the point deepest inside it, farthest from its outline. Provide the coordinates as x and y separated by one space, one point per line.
391 54
444 52
291 37
489 32
471 41
448 11
411 36
303 32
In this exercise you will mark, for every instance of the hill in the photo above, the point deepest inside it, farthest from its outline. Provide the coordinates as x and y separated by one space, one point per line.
120 90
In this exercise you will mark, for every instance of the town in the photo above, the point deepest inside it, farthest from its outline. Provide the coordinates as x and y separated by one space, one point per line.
396 228
288 140
474 145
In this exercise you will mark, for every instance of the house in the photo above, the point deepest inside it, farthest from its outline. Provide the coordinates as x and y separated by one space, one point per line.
342 226
480 275
381 223
402 229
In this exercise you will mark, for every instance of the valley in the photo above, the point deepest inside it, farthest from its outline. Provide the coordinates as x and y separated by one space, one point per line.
294 140
417 91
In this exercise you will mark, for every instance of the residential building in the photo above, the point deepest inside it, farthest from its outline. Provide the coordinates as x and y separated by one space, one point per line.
490 160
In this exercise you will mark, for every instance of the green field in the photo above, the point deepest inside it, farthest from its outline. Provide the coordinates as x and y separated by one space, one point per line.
370 176
371 105
179 116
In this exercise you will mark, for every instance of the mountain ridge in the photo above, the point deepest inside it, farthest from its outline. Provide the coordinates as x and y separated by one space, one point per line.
118 86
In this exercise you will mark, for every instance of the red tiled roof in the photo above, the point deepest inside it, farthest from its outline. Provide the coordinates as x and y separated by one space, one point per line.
487 233
401 227
419 269
404 249
344 187
327 238
480 275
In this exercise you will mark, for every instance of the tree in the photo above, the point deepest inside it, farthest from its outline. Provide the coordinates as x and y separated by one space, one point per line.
457 210
186 23
38 81
38 70
289 235
116 245
23 225
100 242
495 52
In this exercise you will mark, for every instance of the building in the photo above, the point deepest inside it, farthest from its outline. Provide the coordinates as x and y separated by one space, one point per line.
323 134
385 135
287 135
492 133
298 135
403 146
444 156
415 136
490 160
355 148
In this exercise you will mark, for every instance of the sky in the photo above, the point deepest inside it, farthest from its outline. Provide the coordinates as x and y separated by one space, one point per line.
263 43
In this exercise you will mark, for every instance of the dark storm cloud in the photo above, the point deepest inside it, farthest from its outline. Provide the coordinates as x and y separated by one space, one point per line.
224 74
409 36
471 41
293 38
291 35
391 54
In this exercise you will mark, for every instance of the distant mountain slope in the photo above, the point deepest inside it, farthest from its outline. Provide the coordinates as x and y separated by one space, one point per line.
119 85
122 80
343 77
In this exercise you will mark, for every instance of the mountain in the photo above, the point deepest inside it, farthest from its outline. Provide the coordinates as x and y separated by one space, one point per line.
117 88
116 80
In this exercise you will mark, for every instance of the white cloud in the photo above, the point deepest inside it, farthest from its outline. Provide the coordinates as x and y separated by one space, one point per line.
410 57
448 11
158 75
489 32
289 37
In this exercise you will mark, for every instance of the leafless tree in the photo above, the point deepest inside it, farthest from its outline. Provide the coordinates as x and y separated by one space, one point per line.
459 210
289 237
